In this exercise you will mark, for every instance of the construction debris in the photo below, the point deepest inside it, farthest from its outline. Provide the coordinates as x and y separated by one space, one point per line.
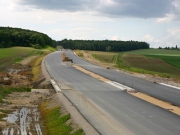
16 75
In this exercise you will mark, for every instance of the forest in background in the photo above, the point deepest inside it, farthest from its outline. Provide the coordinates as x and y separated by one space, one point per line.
10 37
103 45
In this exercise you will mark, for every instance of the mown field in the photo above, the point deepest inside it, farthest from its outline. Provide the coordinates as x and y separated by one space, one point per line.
162 62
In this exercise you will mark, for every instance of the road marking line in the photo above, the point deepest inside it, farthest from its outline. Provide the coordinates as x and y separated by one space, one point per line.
170 86
55 86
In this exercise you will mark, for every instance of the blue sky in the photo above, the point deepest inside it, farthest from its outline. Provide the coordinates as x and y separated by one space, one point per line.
154 21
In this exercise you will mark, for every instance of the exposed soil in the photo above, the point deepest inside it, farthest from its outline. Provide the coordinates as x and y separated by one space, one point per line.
16 101
17 74
20 75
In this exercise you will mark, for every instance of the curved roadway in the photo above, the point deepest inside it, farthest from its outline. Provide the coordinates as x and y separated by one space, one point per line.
139 117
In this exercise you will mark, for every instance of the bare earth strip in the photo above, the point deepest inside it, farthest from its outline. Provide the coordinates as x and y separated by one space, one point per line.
91 73
162 104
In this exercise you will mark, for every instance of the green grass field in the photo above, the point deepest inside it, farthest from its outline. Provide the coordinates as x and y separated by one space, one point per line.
165 63
12 55
155 52
15 51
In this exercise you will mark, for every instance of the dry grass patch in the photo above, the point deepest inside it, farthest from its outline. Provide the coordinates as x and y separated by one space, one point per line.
36 66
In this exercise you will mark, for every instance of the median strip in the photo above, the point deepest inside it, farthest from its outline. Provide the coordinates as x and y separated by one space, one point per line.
91 73
157 102
147 98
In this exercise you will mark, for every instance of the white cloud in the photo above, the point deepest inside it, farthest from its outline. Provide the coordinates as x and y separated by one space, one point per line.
114 37
148 37
171 39
174 35
167 18
174 15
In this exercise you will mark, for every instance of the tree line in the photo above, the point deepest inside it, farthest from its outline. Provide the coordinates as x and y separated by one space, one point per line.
102 45
170 48
20 37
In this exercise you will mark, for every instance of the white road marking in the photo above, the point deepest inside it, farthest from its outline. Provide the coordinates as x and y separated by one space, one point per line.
119 86
170 86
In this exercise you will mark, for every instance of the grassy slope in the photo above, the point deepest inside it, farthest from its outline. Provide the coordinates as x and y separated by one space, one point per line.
49 48
56 124
107 57
10 52
12 55
9 56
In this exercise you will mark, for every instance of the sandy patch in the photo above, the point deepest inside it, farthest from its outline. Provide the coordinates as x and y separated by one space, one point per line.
91 73
157 102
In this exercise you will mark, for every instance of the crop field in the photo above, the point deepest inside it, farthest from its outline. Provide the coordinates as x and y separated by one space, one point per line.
150 64
172 60
161 52
152 61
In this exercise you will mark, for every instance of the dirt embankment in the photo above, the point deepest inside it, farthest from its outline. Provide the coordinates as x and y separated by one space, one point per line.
21 74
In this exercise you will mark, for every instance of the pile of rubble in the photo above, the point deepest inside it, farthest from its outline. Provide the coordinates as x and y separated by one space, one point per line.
16 75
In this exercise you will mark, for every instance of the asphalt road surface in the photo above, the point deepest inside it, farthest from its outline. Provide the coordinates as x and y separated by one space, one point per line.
159 91
139 117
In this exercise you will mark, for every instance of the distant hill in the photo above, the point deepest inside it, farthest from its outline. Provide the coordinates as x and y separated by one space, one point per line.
20 37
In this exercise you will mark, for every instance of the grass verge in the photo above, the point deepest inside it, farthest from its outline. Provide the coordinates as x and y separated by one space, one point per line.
79 53
56 123
49 48
36 62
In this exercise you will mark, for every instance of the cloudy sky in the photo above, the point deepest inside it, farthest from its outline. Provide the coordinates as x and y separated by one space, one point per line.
154 21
